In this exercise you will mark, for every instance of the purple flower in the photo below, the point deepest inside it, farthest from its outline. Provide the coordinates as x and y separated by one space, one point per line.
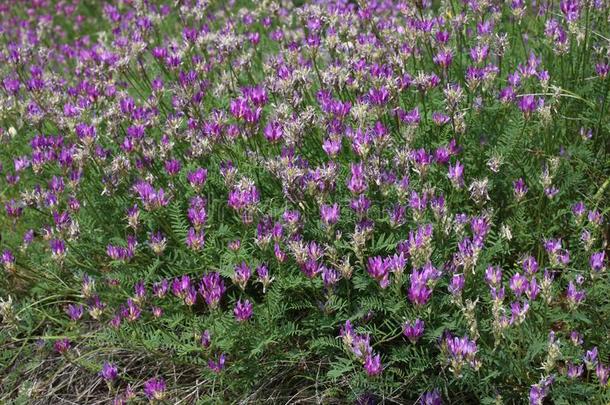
347 333
243 310
419 293
263 277
157 312
431 398
160 288
75 312
329 214
329 276
576 338
574 371
242 275
379 96
273 132
154 389
132 311
8 260
140 290
602 70
197 178
602 372
212 288
195 239
578 209
539 391
590 358
518 284
533 289
443 59
493 275
96 307
62 345
597 262
172 166
414 330
88 285
58 249
527 104
518 311
530 265
243 199
109 372
570 9
456 285
520 189
595 217
151 198
573 295
379 270
357 183
372 365
217 365
460 351
205 339
456 174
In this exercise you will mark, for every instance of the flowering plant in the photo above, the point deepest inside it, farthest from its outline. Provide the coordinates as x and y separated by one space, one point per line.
242 201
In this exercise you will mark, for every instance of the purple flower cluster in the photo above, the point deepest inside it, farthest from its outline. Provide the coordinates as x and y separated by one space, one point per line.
359 345
409 165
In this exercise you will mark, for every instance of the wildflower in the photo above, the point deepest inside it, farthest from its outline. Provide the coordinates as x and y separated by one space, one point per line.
109 372
212 288
8 260
140 291
96 307
262 273
574 371
518 311
154 389
243 310
379 270
197 178
460 351
58 249
205 339
576 338
431 398
61 346
160 288
518 284
539 391
242 275
590 358
132 311
329 214
273 132
217 365
75 312
418 293
597 262
574 296
329 276
357 183
414 330
530 265
372 365
602 372
456 285
520 189
493 275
